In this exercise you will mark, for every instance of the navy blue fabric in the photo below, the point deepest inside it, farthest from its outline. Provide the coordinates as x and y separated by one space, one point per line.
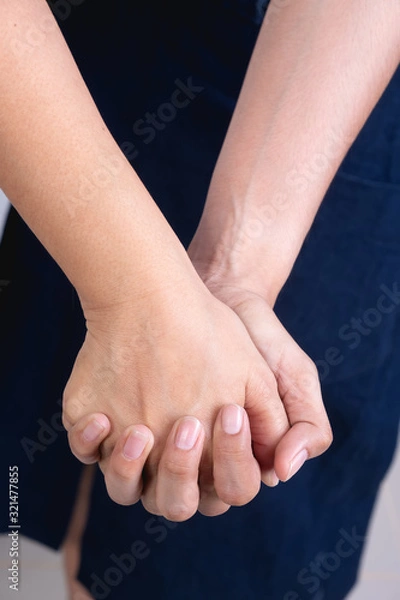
302 540
41 330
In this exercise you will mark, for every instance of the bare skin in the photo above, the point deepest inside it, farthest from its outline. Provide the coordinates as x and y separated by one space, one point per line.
151 360
243 226
302 104
113 377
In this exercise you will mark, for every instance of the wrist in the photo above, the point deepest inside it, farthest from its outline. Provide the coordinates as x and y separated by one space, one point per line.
150 290
143 290
243 256
121 250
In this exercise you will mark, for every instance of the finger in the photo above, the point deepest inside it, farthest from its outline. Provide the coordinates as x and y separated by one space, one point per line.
86 436
298 386
177 492
149 490
123 474
268 420
310 434
210 505
237 474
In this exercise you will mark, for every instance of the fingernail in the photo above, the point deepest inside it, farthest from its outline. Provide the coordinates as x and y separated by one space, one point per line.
187 433
297 463
135 444
92 431
271 479
232 419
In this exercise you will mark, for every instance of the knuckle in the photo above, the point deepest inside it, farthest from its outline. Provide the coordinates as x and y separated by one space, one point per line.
326 437
236 454
237 496
178 469
307 376
179 504
123 500
71 412
123 473
178 512
66 421
150 505
310 366
265 385
121 495
72 441
114 495
213 509
302 384
83 457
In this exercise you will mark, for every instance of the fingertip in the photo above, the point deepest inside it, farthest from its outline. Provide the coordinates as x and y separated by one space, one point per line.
98 427
123 475
232 419
187 434
237 476
86 436
138 442
289 461
270 478
296 463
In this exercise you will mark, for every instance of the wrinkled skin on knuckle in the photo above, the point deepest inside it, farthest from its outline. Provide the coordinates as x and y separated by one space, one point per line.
262 388
123 472
236 454
178 469
300 384
263 382
308 377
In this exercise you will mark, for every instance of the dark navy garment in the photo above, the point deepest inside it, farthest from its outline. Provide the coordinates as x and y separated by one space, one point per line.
165 77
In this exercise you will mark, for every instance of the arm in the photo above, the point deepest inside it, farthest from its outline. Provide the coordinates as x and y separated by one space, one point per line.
316 73
64 173
155 334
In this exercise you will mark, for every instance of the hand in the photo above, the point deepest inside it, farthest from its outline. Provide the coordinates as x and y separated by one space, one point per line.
174 358
310 433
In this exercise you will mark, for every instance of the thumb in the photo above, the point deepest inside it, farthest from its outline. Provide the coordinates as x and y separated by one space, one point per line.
298 385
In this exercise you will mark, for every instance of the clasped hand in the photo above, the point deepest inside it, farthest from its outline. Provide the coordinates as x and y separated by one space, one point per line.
190 397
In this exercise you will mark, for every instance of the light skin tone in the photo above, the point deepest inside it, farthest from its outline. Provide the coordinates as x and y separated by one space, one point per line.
158 326
161 352
288 136
252 238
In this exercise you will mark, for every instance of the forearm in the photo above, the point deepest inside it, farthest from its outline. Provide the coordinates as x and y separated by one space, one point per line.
316 73
62 170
